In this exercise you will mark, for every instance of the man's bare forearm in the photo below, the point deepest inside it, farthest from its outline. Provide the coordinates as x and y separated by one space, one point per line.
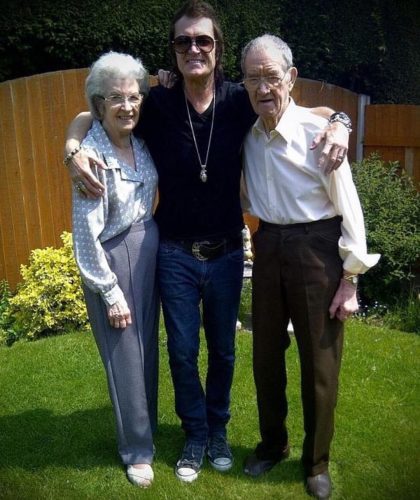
323 111
77 131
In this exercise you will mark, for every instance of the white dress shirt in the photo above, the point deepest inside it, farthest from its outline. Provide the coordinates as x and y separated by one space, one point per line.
129 197
284 185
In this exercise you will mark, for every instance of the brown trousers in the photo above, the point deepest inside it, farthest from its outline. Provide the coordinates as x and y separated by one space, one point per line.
296 273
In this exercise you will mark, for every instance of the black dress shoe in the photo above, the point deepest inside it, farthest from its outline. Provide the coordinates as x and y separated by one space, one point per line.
255 466
319 486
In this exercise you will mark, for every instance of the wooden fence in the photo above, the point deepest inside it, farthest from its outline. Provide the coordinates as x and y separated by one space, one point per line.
35 195
394 132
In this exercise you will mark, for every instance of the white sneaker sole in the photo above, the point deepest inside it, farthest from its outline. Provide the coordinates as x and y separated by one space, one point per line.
186 475
221 467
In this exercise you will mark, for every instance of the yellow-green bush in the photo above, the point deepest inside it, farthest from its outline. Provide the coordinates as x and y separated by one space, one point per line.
49 299
7 333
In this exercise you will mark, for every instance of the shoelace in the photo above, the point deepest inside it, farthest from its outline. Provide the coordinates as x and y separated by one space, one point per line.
220 447
191 453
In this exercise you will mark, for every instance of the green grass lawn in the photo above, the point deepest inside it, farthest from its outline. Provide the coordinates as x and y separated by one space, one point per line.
57 437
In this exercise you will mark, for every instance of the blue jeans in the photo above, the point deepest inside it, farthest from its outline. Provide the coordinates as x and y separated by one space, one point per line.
184 282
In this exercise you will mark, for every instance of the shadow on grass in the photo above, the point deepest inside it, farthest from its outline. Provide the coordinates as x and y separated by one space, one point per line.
287 471
169 441
38 438
85 439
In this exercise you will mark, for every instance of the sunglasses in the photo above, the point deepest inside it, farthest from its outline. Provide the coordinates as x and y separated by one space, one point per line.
182 44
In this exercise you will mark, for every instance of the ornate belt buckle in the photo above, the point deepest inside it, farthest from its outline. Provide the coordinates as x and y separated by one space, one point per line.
195 249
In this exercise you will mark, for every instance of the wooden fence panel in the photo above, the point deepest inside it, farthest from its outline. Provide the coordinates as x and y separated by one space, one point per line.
313 93
27 187
393 131
74 100
55 126
9 157
35 194
13 221
42 226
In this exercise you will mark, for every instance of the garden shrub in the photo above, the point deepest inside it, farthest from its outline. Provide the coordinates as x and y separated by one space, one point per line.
49 299
391 206
405 317
7 333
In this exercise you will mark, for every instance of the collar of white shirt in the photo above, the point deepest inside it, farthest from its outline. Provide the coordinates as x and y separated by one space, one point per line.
286 127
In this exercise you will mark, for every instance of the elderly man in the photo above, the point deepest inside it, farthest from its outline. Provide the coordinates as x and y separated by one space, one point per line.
309 249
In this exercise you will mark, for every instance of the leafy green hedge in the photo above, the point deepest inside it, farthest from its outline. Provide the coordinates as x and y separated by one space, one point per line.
355 44
391 207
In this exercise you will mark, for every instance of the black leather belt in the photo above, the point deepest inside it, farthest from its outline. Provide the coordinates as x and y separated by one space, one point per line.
209 249
323 223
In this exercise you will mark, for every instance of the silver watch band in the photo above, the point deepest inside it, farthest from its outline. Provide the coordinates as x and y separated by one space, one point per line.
343 118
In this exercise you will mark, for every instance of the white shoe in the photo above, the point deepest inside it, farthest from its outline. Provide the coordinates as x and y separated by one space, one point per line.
142 477
188 466
185 473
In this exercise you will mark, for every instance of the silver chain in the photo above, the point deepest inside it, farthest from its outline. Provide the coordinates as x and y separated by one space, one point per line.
203 171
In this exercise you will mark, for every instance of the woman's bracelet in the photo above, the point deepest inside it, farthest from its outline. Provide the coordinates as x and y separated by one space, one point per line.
70 155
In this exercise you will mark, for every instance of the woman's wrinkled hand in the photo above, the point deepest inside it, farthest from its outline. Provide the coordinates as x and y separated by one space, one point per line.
119 314
80 170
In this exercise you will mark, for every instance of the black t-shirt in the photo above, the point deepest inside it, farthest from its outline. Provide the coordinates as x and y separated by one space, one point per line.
189 208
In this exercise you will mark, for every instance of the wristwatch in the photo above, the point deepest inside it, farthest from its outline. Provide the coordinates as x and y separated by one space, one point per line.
343 118
351 278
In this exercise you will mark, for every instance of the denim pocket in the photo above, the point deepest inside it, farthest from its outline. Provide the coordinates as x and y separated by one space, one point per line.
236 255
166 249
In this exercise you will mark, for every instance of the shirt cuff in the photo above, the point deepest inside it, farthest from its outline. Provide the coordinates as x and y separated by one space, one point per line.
358 262
112 296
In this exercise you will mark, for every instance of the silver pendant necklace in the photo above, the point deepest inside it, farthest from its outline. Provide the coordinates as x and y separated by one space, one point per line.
203 171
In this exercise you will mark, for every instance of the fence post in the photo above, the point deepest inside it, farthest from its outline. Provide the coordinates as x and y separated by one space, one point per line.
363 101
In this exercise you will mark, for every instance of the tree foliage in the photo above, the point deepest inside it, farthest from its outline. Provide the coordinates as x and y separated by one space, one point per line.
368 46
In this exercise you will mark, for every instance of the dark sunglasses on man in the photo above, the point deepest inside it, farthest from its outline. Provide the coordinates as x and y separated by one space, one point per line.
183 43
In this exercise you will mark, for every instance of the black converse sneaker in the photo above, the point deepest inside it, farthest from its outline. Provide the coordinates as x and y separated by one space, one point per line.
219 453
190 462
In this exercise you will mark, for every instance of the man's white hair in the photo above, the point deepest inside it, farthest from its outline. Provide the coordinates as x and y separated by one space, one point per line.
268 41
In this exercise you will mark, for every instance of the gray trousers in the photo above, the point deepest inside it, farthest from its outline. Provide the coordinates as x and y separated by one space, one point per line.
296 273
130 355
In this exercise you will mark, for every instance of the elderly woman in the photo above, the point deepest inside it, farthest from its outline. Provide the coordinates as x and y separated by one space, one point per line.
115 245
